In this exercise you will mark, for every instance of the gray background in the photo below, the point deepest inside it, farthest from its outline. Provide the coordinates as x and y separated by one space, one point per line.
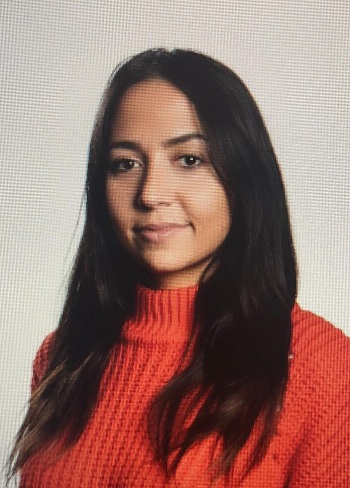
55 59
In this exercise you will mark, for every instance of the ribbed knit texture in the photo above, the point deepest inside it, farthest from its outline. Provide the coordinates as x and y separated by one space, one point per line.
311 447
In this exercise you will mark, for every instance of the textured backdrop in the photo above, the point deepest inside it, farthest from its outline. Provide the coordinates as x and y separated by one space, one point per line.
55 59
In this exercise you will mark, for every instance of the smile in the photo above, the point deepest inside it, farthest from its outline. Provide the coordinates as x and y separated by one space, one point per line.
158 232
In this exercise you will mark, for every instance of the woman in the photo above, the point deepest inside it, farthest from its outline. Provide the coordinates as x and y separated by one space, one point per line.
181 357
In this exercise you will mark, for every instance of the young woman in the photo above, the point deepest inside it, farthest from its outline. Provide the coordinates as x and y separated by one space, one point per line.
181 358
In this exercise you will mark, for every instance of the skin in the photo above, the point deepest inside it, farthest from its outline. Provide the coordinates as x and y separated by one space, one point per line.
168 207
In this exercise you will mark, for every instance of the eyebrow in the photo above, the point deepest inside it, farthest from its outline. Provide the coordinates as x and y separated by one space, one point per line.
184 138
134 146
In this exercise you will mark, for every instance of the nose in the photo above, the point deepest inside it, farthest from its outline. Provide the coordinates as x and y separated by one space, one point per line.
156 186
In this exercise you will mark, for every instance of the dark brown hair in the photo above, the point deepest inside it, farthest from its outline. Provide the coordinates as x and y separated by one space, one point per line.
239 366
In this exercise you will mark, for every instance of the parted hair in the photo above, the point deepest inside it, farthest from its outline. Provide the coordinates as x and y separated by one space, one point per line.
238 369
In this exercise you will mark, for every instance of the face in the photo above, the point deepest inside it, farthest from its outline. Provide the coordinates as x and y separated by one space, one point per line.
168 207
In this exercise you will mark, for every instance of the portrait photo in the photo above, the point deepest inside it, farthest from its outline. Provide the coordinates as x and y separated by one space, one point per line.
175 244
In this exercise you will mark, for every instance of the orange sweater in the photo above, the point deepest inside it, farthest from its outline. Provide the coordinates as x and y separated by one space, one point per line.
311 447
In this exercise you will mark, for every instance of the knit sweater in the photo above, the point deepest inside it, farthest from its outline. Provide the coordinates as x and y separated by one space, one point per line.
310 448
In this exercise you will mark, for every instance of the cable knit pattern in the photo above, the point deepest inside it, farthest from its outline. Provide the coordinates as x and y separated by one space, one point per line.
311 447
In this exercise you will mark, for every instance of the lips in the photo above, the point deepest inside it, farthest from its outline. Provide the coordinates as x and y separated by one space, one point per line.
159 232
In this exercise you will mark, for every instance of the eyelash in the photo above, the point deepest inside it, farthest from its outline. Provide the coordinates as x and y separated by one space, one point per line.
197 159
116 165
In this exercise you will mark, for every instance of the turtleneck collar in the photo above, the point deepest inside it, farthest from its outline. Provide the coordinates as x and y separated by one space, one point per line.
162 315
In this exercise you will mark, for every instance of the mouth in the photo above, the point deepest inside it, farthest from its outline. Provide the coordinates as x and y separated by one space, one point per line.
158 232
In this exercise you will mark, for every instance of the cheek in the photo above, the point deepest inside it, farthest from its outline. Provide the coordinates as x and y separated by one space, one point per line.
214 209
118 208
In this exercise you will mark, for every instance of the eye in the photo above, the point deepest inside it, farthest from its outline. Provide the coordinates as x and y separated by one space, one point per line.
190 161
123 165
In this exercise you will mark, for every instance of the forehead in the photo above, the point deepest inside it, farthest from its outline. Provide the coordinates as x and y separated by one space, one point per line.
154 108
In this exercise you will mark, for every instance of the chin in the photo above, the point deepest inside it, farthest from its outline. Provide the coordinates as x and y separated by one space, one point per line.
171 275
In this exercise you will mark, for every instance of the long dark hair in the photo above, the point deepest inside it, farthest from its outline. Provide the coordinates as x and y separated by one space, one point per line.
239 366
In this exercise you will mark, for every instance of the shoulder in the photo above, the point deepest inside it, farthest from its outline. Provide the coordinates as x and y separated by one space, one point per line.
320 356
41 359
317 397
315 338
315 420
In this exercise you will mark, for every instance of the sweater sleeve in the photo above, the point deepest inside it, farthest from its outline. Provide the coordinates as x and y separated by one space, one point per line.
41 361
323 459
